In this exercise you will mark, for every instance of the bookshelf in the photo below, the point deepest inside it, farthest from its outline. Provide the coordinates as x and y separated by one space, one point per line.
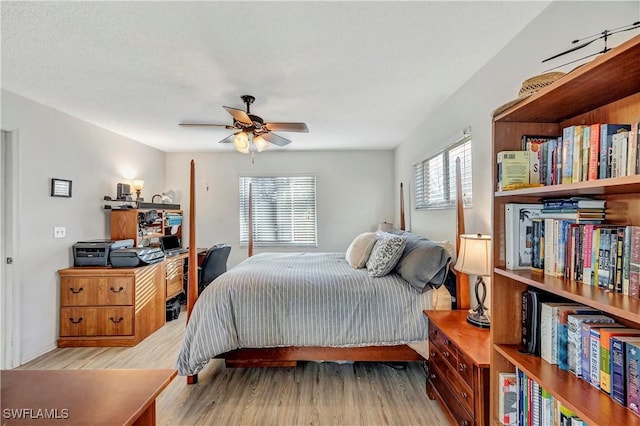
607 90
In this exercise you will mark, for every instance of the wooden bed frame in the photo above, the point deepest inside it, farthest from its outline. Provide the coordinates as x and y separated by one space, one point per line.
289 356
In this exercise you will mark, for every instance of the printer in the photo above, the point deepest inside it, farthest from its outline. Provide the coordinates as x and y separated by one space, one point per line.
136 256
96 252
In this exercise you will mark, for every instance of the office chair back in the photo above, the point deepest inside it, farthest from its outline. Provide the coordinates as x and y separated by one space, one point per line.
213 264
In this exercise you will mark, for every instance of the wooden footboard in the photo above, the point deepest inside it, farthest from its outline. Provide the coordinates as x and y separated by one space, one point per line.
289 356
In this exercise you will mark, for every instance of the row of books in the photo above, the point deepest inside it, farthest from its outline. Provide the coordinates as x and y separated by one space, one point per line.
573 243
524 402
581 340
581 153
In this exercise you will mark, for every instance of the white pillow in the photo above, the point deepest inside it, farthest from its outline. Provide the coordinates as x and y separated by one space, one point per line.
360 249
385 254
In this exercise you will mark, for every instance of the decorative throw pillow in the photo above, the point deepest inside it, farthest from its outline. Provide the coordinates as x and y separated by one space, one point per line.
360 249
423 262
385 254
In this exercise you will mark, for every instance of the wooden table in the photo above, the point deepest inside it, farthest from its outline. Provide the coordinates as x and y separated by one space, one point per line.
81 397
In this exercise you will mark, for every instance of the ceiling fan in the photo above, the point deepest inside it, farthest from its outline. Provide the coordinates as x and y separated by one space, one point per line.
254 134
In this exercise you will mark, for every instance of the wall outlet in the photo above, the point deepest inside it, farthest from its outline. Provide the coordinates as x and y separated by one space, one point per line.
59 232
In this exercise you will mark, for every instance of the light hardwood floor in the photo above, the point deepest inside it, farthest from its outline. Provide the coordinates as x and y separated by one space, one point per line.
310 394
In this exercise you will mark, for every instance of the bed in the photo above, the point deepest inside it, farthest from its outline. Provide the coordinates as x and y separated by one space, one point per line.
275 309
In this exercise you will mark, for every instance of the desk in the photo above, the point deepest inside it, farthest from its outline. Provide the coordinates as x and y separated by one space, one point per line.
81 397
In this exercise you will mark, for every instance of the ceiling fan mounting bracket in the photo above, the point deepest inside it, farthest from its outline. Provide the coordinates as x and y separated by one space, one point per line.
248 100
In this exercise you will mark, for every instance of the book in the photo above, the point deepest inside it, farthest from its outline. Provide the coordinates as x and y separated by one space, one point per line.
632 364
604 258
587 277
634 262
619 146
546 407
573 203
591 352
618 358
522 383
550 171
586 145
567 154
562 331
577 153
594 151
534 145
519 234
626 260
508 402
513 168
576 340
548 330
617 287
606 134
606 334
537 252
532 300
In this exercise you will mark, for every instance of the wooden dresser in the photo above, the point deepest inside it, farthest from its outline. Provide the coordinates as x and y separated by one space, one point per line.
458 367
111 306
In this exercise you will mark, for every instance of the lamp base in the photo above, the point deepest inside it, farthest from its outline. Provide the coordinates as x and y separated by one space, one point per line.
478 320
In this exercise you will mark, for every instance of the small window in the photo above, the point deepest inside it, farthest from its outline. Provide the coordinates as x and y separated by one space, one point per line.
284 211
435 177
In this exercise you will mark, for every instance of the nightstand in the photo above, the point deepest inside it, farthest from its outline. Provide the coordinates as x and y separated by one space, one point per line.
458 367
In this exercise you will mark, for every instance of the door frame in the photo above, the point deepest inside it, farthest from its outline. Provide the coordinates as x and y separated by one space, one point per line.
10 294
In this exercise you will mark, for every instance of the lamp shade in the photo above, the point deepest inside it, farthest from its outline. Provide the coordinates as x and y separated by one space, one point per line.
241 142
138 184
474 256
260 143
385 226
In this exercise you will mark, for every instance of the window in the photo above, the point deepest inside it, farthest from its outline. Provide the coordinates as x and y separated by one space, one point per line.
435 177
284 211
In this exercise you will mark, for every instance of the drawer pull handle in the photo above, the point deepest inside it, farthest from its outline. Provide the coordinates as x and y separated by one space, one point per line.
447 342
74 291
116 291
74 321
465 423
464 395
463 367
433 354
432 376
446 354
116 321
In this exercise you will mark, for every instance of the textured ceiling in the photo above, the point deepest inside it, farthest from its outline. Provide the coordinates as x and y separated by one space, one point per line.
362 75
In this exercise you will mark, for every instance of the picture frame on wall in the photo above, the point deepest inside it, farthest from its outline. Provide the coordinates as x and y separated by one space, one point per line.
60 188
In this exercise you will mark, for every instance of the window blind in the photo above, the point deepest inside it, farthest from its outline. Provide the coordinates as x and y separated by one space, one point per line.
284 210
435 177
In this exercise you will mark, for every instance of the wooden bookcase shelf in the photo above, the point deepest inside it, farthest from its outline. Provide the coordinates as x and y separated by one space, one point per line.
607 90
593 406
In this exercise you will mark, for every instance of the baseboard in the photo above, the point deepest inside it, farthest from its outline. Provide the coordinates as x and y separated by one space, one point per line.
30 357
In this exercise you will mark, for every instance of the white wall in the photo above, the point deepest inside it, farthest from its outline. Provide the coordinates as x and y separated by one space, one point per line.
496 83
54 144
354 192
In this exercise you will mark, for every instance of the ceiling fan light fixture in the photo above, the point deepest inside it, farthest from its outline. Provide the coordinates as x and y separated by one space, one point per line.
241 142
260 143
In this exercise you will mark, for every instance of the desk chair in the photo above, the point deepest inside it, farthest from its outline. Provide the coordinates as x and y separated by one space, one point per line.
213 265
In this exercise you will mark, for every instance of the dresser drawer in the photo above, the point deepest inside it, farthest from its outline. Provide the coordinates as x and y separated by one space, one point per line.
440 382
448 350
453 380
465 369
96 321
89 291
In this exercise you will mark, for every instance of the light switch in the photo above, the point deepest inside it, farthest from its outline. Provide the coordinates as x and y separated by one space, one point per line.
59 232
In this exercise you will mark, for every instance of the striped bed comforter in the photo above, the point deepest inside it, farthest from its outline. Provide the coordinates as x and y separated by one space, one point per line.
300 299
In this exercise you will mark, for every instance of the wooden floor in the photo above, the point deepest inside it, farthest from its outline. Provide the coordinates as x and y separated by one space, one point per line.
310 394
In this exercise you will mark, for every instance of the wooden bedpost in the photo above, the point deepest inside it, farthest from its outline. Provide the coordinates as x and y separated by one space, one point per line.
250 230
192 283
402 225
462 280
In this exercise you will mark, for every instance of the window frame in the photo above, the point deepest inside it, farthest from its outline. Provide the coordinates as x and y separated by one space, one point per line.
448 197
243 195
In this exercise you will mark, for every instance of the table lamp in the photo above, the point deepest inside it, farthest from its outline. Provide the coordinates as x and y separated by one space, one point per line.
137 186
474 258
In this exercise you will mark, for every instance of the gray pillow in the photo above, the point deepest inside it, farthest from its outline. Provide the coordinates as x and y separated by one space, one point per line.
385 254
423 262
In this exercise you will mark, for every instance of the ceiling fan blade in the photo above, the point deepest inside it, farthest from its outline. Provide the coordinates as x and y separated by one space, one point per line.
238 115
226 126
288 127
275 139
229 139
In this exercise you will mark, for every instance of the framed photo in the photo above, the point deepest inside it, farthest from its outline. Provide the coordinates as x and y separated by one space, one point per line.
60 188
519 233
